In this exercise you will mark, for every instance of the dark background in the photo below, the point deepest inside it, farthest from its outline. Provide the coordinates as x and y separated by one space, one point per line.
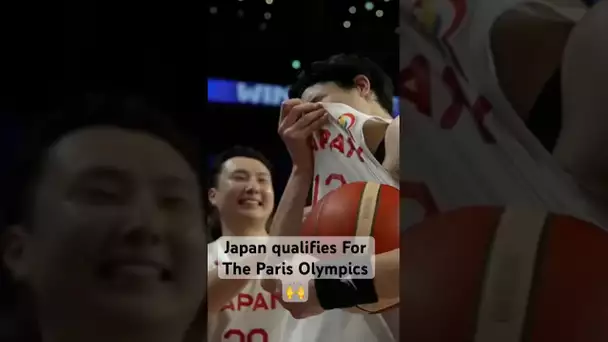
167 51
52 51
243 45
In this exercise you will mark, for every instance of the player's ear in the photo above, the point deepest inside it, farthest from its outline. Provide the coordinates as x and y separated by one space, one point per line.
14 253
363 85
212 196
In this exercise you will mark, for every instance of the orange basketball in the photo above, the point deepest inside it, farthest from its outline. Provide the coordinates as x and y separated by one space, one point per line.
359 209
490 274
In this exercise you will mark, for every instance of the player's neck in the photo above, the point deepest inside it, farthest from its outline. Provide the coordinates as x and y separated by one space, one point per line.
244 229
378 111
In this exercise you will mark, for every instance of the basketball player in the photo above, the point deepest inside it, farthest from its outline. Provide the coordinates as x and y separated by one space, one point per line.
472 124
504 35
106 234
566 106
344 98
242 197
464 97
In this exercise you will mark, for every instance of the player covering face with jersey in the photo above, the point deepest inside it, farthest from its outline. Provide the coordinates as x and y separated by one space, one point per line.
359 88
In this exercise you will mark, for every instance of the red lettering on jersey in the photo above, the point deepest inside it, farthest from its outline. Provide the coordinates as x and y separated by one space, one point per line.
257 302
420 193
246 337
481 108
243 300
332 177
261 333
415 84
337 143
452 113
324 136
235 332
260 303
335 177
355 149
228 306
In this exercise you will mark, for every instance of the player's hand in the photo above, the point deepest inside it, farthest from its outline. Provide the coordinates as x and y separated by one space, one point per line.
299 120
298 310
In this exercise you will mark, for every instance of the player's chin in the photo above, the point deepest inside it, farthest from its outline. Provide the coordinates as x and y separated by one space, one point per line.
142 308
253 212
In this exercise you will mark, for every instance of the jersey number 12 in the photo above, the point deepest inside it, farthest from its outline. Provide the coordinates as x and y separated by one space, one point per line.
335 179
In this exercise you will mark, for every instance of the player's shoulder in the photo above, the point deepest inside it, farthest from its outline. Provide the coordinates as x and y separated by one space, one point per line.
213 246
214 253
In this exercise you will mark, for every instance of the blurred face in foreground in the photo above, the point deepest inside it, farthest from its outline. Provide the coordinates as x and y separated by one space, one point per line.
115 238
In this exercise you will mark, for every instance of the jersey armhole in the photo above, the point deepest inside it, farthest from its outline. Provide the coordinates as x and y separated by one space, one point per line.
380 153
544 120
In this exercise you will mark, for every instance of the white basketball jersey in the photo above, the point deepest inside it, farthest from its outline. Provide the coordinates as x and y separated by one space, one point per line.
254 315
341 154
462 143
341 157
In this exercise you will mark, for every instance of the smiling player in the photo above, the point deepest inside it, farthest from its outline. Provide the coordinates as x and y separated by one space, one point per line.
242 198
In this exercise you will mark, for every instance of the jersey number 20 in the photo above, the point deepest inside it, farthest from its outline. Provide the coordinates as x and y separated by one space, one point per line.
254 335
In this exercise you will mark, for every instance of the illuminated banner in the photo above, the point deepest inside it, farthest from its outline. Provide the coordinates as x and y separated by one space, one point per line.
253 94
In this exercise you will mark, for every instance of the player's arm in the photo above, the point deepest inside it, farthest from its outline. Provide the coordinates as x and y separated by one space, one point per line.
527 48
287 219
386 282
221 291
391 148
340 294
298 122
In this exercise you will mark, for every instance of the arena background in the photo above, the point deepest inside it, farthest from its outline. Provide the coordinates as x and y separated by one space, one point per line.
254 49
52 50
243 58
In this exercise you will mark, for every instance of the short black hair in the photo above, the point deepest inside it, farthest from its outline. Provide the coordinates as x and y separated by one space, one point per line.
342 70
213 222
233 152
128 111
